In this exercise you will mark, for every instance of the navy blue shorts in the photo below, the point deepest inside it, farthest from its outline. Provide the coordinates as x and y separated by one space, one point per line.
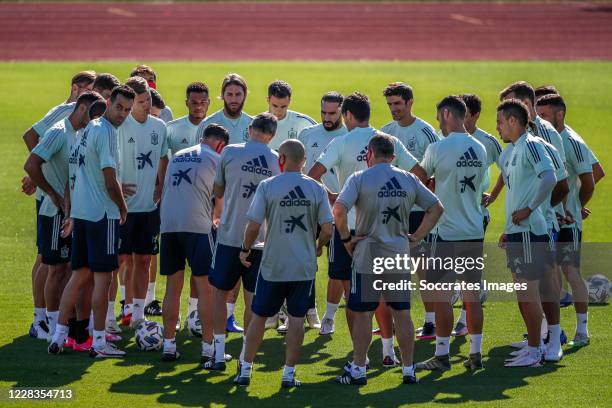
415 219
528 255
38 204
356 302
140 233
95 244
569 243
176 247
226 269
468 252
339 266
53 248
270 296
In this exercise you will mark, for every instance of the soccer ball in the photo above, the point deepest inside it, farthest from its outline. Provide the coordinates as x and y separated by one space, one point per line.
599 289
194 325
149 336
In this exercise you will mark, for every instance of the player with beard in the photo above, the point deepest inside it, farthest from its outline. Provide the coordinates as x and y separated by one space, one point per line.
315 139
234 93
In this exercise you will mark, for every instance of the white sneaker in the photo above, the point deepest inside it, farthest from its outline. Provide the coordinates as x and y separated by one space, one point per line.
518 352
283 328
112 327
109 350
41 330
553 352
313 320
272 322
327 326
529 359
519 344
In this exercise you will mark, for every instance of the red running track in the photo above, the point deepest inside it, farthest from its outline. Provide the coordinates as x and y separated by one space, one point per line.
300 31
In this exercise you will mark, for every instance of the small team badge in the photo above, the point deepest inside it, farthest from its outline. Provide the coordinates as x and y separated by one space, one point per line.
292 134
154 138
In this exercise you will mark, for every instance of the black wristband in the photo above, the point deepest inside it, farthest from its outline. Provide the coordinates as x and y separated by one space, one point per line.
346 240
243 249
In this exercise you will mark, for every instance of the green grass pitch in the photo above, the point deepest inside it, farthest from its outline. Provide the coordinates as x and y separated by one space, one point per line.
581 379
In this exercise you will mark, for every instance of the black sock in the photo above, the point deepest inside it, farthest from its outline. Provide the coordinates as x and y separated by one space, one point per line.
82 334
72 327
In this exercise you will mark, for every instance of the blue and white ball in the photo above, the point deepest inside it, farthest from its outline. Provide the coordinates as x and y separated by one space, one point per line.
194 325
598 287
150 336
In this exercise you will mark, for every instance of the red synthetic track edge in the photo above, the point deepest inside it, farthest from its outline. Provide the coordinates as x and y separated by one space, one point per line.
299 31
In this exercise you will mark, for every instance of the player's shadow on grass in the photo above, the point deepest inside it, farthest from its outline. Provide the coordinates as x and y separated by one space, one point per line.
26 363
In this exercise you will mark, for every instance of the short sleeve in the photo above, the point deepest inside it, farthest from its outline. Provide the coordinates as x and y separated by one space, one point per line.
257 209
538 157
104 147
428 160
349 194
558 163
330 157
51 143
403 158
164 146
579 156
324 209
220 174
51 118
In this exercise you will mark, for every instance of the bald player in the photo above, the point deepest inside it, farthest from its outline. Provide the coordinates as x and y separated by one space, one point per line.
294 207
383 222
80 83
290 123
234 93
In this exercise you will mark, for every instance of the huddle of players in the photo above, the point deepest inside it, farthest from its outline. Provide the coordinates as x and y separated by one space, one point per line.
228 196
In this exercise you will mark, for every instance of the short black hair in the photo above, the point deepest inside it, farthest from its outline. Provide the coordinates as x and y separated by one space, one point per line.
515 108
333 97
382 145
106 82
399 89
554 100
156 99
359 106
455 106
521 90
540 91
88 97
279 89
217 131
197 87
83 78
265 123
124 91
472 102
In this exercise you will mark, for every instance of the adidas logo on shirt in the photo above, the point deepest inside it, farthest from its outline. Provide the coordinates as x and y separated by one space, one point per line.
363 155
392 188
187 157
315 144
469 159
258 165
131 140
184 141
295 198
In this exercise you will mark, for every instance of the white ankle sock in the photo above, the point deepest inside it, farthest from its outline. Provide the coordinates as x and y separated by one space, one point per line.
150 293
430 317
582 321
219 347
331 310
138 311
442 346
99 339
387 347
230 308
110 311
192 306
170 345
208 349
475 343
462 317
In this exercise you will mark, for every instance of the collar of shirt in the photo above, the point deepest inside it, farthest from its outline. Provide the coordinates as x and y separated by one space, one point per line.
520 139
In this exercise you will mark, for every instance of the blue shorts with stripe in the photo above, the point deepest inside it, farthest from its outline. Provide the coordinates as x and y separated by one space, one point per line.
53 248
270 296
528 254
95 245
339 266
399 300
178 247
139 234
569 244
226 269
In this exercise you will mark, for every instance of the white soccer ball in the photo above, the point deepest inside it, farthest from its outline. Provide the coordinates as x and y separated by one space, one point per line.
598 287
150 336
194 325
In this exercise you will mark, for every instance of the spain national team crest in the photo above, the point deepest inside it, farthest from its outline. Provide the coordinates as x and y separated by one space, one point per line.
154 138
292 134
